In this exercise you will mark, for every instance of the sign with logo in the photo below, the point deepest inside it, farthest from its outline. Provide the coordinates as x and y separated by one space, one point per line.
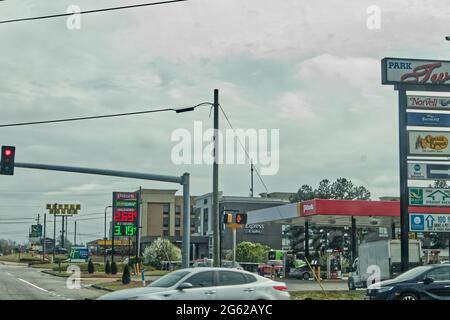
79 254
254 228
428 171
415 71
63 209
36 231
125 216
429 197
424 222
426 102
429 143
428 119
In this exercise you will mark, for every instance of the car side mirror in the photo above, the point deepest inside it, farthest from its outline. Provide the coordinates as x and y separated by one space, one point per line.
428 280
185 285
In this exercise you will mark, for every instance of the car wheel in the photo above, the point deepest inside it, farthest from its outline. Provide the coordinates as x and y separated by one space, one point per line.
306 276
409 296
351 284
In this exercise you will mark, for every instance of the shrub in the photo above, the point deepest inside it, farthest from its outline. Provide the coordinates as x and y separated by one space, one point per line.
126 275
107 267
113 268
90 267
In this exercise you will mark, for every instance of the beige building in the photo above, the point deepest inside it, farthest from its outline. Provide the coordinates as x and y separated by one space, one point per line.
162 216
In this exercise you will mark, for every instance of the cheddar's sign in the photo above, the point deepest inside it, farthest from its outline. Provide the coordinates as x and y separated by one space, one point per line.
415 71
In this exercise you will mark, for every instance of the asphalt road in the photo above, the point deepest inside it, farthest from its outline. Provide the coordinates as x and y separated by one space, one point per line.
19 282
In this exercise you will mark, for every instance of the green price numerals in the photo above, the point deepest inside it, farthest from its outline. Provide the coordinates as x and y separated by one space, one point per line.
124 230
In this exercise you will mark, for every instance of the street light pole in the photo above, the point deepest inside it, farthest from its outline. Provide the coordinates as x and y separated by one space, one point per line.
215 200
105 238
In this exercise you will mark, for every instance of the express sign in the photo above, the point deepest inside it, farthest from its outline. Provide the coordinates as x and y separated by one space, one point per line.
415 71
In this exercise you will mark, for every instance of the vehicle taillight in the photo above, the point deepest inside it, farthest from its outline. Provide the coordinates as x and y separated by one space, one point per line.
280 288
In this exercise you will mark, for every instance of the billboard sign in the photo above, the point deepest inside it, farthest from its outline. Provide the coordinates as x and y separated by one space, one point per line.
429 143
428 119
415 71
125 216
36 231
427 102
429 197
424 222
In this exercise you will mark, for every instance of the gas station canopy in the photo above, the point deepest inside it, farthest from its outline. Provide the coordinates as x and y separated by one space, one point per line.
339 213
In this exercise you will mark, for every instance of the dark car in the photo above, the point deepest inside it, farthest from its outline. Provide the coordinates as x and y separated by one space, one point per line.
300 273
431 282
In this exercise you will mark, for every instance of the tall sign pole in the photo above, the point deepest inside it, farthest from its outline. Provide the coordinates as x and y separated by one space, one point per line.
215 200
45 236
403 170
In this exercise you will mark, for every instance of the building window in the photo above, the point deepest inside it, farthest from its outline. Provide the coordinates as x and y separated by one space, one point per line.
166 222
205 219
177 233
166 208
165 233
205 201
177 210
177 222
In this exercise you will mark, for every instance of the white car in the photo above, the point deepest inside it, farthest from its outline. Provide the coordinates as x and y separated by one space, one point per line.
206 284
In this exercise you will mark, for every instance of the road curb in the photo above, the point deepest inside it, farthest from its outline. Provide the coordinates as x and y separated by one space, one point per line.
101 288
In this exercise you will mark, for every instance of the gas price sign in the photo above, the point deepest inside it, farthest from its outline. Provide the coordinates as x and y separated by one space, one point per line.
125 216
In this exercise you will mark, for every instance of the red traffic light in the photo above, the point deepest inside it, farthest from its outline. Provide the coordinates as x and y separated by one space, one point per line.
8 152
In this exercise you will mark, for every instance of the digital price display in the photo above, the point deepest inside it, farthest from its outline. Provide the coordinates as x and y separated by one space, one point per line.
125 230
125 216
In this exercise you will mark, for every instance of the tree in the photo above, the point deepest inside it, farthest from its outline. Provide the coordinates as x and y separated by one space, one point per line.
251 252
90 266
6 246
126 278
161 250
113 268
107 267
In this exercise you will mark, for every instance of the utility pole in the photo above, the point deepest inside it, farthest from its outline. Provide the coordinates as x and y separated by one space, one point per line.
215 202
67 229
54 236
75 236
62 233
251 179
138 227
45 236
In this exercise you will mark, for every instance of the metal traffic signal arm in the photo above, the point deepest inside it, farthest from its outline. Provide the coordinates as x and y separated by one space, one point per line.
183 180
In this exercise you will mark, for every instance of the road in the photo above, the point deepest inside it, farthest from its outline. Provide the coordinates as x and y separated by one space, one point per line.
19 282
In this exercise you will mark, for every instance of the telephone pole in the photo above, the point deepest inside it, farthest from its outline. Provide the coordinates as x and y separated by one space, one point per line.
215 201
45 236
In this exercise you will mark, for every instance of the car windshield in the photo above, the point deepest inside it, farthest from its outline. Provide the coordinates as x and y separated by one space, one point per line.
169 279
410 274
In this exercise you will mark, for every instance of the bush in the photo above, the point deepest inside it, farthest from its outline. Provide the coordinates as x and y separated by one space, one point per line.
113 268
107 267
90 267
161 250
126 278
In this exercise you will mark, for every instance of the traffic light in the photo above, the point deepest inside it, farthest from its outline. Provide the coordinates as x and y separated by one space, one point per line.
234 218
7 160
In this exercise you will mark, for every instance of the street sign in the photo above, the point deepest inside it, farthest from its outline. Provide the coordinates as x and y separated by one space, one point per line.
428 119
36 231
427 102
429 197
428 171
424 222
415 71
429 143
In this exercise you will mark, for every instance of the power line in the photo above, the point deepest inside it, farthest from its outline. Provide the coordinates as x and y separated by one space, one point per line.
243 148
91 11
103 116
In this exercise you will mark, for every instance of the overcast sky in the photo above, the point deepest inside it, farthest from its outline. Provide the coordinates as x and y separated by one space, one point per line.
308 68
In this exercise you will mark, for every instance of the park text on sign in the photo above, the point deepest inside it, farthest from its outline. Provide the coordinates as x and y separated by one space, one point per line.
429 197
415 71
424 222
432 103
430 143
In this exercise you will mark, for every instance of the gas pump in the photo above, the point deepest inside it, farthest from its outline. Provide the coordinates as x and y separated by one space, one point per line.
334 265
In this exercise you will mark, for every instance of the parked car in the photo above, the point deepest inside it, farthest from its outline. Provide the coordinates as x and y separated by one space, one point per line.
430 282
300 273
209 263
274 267
206 284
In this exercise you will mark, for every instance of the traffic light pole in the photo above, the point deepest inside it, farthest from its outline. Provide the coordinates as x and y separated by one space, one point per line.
183 180
215 199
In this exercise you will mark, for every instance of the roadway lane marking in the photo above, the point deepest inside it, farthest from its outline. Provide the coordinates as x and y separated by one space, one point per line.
33 285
